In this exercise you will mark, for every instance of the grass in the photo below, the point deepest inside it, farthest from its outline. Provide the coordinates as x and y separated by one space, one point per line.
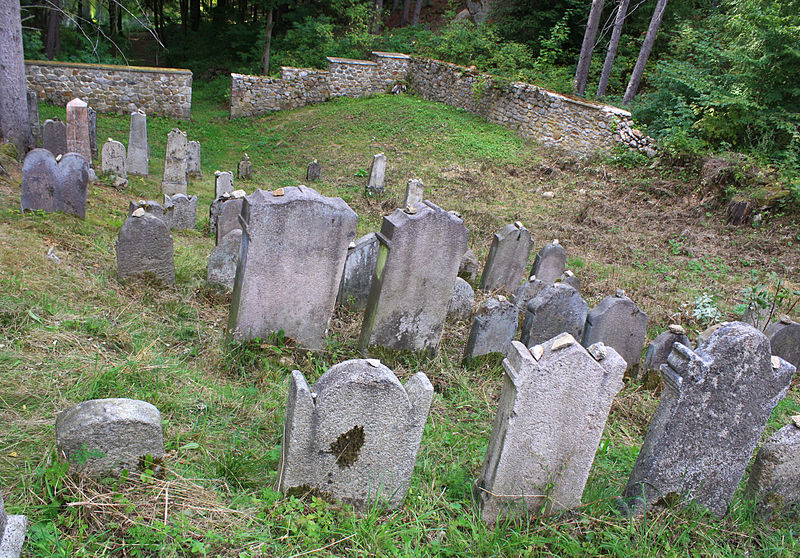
71 332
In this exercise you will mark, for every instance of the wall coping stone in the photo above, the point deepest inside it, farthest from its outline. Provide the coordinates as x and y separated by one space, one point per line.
390 55
351 61
143 69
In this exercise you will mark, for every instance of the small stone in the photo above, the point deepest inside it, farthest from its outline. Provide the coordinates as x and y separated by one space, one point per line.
501 298
620 293
796 420
139 212
519 224
548 195
677 329
374 362
776 362
598 351
785 319
556 242
278 192
120 183
563 340
537 351
352 245
411 210
238 194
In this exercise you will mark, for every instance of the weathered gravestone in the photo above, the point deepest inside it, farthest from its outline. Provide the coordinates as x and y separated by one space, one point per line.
362 255
33 116
558 308
355 436
221 268
175 170
618 322
377 174
55 186
91 118
784 338
165 212
415 190
78 129
462 301
223 182
528 290
775 477
244 169
468 269
12 532
184 211
228 216
314 171
101 437
659 348
714 406
417 266
550 262
507 259
54 136
293 251
144 249
193 152
554 405
138 149
493 328
113 158
570 279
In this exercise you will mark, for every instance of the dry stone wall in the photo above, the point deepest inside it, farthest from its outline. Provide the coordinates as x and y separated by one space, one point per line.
107 88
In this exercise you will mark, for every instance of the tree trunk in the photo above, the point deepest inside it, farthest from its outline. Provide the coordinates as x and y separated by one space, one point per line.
220 15
417 10
119 19
395 5
267 42
112 18
14 125
582 72
613 44
406 12
194 12
644 53
376 22
53 30
184 5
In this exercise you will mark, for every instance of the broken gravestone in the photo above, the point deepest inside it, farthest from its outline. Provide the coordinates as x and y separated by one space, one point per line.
78 129
528 290
155 209
553 408
33 116
144 249
103 437
193 150
54 136
138 148
415 190
113 159
91 117
293 251
175 170
55 186
409 297
314 171
221 268
377 174
223 182
468 269
570 279
659 348
354 437
558 308
244 169
462 301
784 338
775 477
550 262
493 328
362 255
184 211
12 532
618 322
507 259
714 406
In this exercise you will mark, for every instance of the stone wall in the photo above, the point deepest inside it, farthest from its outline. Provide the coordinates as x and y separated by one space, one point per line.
120 89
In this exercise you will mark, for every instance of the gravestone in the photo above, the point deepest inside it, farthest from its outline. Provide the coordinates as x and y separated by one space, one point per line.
362 255
78 129
415 190
221 268
461 302
193 151
33 117
417 266
245 168
468 269
377 174
223 182
507 259
101 437
354 436
213 212
553 408
714 406
314 171
55 186
527 291
293 251
558 308
175 170
12 532
113 159
229 216
144 249
138 149
659 348
54 136
91 118
618 322
775 477
550 262
784 338
570 279
493 328
165 212
184 211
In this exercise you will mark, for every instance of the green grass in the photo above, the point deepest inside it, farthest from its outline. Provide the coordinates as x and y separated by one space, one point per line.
71 331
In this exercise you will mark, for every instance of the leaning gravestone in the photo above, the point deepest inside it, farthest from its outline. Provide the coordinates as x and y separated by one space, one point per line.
507 259
54 136
33 116
193 151
144 249
570 279
554 405
415 190
784 338
223 182
293 251
775 478
78 129
175 171
557 309
462 301
550 262
244 169
527 291
355 437
493 328
409 297
55 186
314 171
91 118
377 174
184 211
221 268
12 532
618 322
103 437
138 149
362 255
713 409
165 212
113 159
228 216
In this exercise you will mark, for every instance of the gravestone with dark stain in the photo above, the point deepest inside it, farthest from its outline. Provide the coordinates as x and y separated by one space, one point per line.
54 136
184 211
193 154
113 159
175 169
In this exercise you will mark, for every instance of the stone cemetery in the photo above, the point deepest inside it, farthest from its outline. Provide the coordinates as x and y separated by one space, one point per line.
223 182
193 150
493 328
78 129
556 309
618 322
550 262
507 259
175 170
775 477
377 175
54 136
354 435
12 532
244 170
144 249
362 255
55 186
113 159
138 149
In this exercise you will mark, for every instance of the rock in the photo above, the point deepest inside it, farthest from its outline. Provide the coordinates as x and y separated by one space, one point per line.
619 323
462 301
775 477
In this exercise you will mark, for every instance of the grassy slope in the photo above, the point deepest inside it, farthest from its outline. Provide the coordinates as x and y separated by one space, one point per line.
70 332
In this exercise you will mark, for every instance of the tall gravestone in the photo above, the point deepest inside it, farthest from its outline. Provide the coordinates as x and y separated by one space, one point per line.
362 255
184 211
415 191
775 477
175 171
784 338
493 328
33 117
78 129
113 158
353 437
552 411
293 251
54 136
417 265
714 406
144 249
244 170
618 322
507 259
12 532
55 186
377 175
193 152
138 148
550 262
558 308
91 118
223 182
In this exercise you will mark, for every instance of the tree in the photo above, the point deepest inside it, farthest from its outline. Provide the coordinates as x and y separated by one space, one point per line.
376 21
582 71
267 42
406 12
644 53
417 10
613 44
14 124
53 46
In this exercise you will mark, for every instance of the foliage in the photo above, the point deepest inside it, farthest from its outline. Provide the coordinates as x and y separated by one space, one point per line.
705 310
